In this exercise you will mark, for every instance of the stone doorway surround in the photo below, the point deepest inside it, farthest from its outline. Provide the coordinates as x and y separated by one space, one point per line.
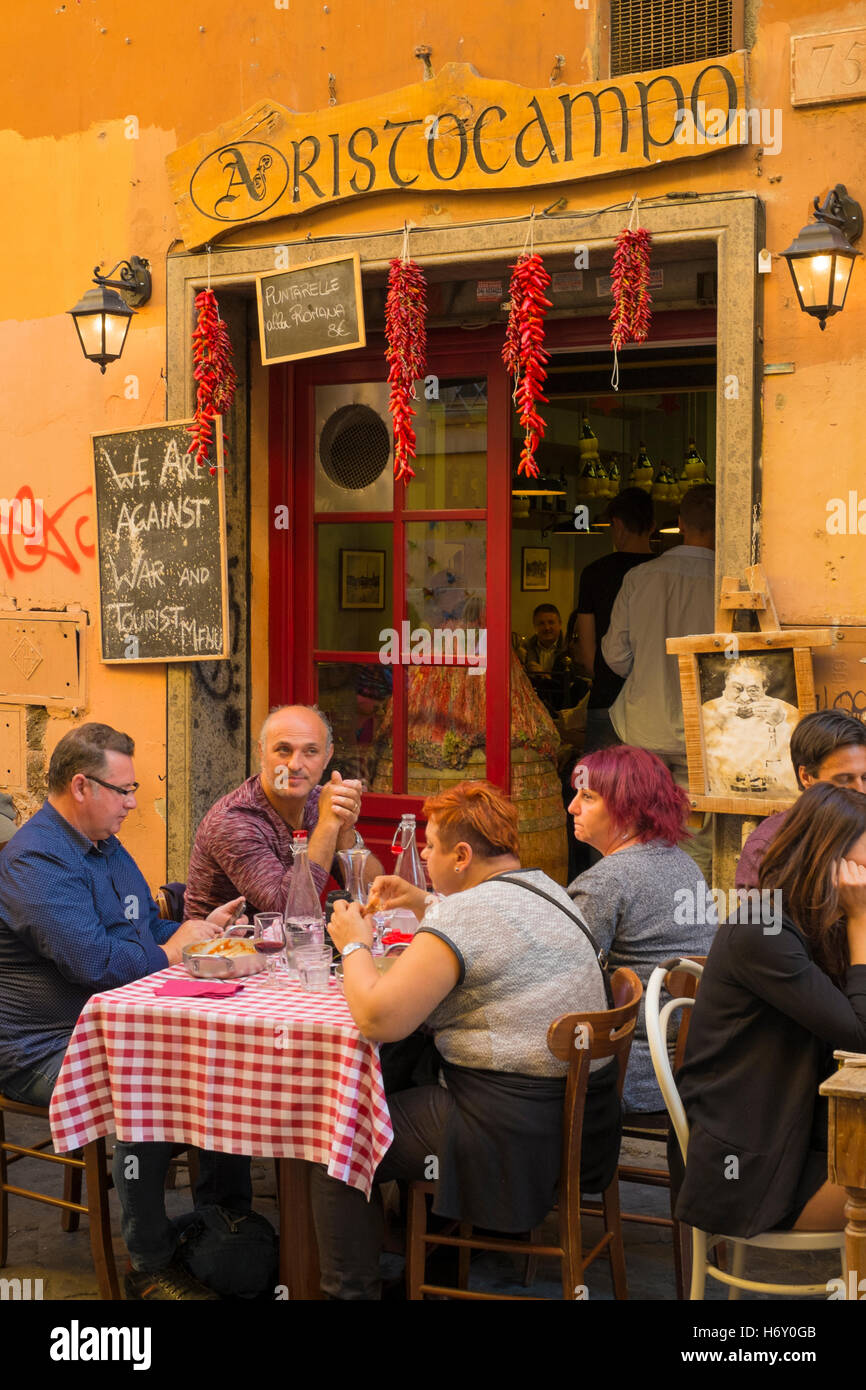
208 736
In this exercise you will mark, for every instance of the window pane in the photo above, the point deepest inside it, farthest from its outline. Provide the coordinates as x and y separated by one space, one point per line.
446 573
354 469
451 450
355 583
357 700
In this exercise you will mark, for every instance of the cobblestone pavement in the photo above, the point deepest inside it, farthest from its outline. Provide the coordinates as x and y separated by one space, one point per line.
40 1249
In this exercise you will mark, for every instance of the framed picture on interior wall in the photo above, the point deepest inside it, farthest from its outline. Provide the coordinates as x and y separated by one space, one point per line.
535 570
362 579
743 693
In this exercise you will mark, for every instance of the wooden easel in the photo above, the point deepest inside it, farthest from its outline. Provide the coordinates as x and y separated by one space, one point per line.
756 597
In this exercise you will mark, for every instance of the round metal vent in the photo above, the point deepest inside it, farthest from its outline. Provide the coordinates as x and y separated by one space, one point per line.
354 446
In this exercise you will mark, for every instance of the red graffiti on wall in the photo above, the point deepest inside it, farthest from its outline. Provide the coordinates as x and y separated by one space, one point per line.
19 553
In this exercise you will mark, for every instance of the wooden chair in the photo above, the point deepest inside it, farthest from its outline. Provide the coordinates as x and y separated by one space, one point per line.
92 1165
577 1039
705 1243
680 984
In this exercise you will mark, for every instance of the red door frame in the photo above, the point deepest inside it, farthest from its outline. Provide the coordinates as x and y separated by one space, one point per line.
291 622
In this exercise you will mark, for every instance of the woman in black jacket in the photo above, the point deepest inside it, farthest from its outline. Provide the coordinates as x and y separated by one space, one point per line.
784 985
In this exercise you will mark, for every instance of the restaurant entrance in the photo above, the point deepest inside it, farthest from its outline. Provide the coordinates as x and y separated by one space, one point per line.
275 563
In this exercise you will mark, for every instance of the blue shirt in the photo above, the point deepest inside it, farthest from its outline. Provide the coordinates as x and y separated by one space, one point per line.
75 918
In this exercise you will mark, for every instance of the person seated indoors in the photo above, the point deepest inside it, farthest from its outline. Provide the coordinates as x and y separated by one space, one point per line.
491 966
827 746
244 843
546 647
77 918
777 997
646 899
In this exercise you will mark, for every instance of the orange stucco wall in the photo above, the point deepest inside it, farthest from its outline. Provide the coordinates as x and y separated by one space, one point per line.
78 190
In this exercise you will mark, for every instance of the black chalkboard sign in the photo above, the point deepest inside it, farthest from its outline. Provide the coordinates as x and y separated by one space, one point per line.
311 310
160 524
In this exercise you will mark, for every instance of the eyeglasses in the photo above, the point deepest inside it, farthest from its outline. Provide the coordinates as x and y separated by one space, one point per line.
121 791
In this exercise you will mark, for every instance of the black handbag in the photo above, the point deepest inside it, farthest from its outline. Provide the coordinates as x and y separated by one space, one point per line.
601 956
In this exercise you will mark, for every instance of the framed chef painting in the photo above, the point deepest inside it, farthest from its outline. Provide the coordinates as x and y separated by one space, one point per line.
743 694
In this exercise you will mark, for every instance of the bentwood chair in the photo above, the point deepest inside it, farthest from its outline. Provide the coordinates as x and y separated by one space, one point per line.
703 1242
657 1128
578 1039
92 1166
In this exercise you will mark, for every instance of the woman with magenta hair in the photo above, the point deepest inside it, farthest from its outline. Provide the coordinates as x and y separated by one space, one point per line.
646 899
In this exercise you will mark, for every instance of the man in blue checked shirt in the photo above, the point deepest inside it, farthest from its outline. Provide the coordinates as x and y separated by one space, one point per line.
76 918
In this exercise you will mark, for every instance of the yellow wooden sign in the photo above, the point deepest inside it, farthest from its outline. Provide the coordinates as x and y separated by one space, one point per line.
458 131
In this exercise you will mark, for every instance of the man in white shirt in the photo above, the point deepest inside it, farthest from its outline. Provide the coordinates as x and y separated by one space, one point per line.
668 597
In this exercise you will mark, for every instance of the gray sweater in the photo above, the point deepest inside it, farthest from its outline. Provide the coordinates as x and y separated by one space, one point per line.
644 904
523 963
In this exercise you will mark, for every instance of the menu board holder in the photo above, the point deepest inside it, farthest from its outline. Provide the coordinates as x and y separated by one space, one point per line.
311 310
161 546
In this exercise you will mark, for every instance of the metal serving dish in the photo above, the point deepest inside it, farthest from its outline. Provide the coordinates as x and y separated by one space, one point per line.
203 967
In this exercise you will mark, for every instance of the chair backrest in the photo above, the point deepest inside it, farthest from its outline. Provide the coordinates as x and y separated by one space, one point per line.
169 900
684 985
658 1023
582 1038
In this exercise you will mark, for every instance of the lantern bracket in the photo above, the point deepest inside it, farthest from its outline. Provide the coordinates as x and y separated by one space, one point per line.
839 209
135 282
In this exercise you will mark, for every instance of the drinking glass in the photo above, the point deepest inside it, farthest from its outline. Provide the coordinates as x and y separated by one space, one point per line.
269 939
314 967
299 937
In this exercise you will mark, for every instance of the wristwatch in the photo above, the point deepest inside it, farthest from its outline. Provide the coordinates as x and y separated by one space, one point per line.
355 946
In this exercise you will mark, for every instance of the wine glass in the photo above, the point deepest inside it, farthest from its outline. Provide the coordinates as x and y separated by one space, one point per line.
269 939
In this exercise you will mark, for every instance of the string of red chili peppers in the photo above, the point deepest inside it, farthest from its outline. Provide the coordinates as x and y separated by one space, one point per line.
214 372
632 303
523 351
406 351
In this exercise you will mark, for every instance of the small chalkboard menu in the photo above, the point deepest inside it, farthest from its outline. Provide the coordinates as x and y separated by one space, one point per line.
311 310
160 524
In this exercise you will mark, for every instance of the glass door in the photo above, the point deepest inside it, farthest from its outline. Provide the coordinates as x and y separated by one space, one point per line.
392 631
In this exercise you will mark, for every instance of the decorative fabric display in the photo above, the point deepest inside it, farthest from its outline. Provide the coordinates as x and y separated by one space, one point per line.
631 314
406 352
214 372
523 351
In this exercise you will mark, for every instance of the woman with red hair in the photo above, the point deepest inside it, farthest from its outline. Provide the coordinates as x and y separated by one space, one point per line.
646 899
489 969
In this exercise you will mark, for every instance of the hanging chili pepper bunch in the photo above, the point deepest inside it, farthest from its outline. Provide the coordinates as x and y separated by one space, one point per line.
406 334
524 354
214 372
631 312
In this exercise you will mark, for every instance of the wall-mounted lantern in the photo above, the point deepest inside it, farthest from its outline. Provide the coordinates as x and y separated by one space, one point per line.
821 257
102 315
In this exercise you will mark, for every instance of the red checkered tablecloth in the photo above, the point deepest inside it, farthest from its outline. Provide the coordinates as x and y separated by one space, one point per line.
267 1072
